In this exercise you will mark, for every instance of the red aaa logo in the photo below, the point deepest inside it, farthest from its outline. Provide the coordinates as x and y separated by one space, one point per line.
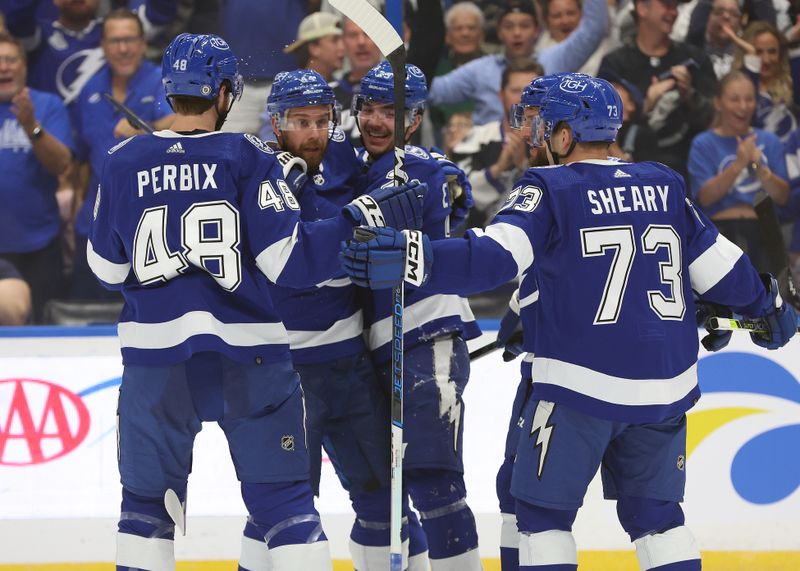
41 421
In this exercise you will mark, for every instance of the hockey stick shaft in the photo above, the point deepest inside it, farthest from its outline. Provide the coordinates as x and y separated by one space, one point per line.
749 325
132 117
391 46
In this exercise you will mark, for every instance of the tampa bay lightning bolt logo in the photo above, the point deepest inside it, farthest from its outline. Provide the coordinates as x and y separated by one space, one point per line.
765 468
338 135
76 70
280 76
415 151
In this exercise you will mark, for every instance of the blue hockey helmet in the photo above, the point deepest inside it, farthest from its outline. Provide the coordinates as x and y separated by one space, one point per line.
378 85
532 97
591 107
195 65
300 88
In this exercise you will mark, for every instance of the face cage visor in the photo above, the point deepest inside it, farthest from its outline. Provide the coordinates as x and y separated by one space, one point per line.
324 122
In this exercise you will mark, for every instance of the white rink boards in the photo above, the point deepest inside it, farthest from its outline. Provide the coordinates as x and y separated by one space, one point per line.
59 490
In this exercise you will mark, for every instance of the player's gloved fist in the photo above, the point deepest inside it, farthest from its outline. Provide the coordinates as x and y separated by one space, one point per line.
510 336
779 318
716 339
397 207
380 258
458 186
294 169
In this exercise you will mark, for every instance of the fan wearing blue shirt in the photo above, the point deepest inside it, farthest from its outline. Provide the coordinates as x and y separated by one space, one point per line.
133 81
35 148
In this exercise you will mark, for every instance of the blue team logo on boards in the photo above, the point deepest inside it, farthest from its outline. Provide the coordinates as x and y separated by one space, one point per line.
766 467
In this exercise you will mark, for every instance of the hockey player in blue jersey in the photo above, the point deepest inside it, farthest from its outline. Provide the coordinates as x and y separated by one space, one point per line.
616 250
436 360
346 412
190 224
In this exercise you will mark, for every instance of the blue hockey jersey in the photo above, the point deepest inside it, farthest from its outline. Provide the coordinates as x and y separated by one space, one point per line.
425 315
325 322
188 226
616 250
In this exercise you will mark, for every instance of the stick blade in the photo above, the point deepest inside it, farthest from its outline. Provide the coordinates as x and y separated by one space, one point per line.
372 22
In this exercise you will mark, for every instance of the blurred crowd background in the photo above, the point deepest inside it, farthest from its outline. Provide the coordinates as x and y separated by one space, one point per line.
710 87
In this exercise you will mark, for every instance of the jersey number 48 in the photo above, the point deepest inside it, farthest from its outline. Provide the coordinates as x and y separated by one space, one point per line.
209 241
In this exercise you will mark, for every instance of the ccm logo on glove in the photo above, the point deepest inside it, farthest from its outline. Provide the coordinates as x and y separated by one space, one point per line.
415 257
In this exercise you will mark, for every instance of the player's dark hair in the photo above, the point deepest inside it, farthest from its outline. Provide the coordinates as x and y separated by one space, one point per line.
6 38
123 14
593 145
188 105
520 65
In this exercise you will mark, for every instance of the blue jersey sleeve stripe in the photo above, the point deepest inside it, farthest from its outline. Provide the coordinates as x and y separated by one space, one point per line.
341 330
167 334
419 313
529 299
715 263
274 258
513 239
617 390
110 272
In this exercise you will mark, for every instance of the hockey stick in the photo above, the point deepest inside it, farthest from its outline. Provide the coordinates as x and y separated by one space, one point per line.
483 351
774 247
749 325
391 46
135 121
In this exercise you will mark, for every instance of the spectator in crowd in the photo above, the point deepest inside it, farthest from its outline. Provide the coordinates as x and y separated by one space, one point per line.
716 25
764 55
319 44
493 155
479 80
362 55
258 30
677 79
35 148
129 79
458 127
791 212
732 161
463 23
15 296
561 18
63 53
635 140
464 41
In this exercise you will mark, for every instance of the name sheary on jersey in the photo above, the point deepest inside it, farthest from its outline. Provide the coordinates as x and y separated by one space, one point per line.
185 177
616 199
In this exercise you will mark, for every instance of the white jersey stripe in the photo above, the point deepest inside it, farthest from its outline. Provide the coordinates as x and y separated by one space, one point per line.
109 272
171 333
513 239
529 299
342 330
274 258
418 314
714 264
616 390
337 282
